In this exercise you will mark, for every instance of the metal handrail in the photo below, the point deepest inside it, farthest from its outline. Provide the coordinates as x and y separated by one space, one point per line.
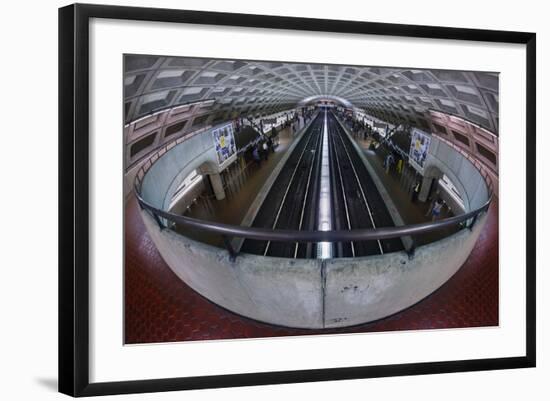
266 234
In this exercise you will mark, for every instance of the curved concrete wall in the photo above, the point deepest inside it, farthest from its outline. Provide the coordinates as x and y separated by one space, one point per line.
168 172
313 293
309 293
365 289
276 290
463 174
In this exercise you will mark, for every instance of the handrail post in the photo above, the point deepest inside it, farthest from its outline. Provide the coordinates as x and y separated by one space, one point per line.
141 206
230 249
158 220
471 225
412 249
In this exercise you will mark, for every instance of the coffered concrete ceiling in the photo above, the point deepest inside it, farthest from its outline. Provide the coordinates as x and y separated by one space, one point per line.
232 88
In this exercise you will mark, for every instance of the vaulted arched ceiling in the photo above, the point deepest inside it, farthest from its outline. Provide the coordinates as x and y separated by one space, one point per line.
231 88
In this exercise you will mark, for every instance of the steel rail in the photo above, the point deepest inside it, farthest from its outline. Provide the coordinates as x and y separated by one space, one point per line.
307 191
359 183
343 191
288 187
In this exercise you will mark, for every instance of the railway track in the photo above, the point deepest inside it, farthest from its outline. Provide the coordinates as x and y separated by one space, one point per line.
323 186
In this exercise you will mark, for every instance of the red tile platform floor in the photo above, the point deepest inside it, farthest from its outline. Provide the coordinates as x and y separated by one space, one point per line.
159 307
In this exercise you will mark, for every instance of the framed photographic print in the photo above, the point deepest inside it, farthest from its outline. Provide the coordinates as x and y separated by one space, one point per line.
251 199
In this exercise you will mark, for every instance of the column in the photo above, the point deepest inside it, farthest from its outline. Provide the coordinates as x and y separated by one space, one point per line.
425 189
217 185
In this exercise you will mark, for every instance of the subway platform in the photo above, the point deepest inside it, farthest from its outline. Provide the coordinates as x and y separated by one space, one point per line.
159 307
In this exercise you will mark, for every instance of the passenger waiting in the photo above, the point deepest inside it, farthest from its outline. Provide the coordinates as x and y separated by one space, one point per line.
256 155
388 162
416 191
436 209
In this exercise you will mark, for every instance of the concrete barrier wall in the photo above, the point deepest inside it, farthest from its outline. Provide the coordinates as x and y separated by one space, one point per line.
463 174
169 171
313 293
281 291
309 293
361 290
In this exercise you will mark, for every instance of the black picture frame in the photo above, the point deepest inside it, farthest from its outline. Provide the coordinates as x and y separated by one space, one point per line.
74 198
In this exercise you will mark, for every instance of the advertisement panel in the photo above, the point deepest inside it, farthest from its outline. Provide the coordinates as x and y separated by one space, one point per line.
420 144
224 142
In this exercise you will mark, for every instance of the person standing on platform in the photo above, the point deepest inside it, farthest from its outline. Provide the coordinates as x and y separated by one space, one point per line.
416 191
436 209
399 166
388 162
256 155
265 150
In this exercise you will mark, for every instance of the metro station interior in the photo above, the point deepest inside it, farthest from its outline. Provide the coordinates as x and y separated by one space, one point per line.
269 198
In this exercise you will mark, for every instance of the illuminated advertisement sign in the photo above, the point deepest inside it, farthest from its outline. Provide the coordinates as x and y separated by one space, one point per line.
224 142
420 144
